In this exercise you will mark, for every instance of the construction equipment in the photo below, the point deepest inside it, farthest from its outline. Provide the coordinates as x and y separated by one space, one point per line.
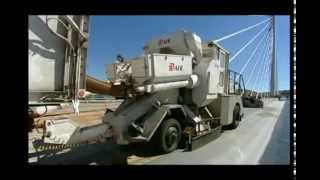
252 101
178 92
58 60
57 65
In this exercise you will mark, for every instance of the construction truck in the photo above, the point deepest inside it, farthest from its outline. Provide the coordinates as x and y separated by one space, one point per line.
252 101
180 91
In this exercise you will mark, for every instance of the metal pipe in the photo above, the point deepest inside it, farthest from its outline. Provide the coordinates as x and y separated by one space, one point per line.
57 34
150 88
74 26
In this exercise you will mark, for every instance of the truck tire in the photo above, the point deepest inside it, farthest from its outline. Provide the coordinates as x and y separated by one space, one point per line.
168 135
261 104
236 117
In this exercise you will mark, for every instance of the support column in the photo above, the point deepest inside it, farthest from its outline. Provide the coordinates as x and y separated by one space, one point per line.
274 71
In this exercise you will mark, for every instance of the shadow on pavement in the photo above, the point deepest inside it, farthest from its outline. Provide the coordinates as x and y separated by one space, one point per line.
141 150
278 148
100 154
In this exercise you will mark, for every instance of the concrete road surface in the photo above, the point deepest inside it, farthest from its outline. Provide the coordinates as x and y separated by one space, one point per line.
277 150
261 138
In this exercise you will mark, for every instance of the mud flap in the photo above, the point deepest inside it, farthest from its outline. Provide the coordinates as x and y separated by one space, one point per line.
199 141
153 122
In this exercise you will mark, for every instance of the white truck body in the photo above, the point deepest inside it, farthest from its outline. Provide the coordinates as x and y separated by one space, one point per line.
176 82
155 68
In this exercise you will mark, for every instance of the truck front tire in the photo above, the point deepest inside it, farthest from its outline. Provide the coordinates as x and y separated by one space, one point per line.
168 135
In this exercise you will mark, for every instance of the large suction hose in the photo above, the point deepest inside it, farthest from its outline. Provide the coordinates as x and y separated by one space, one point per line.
97 86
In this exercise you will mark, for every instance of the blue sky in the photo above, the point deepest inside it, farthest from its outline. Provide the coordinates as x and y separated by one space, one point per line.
111 35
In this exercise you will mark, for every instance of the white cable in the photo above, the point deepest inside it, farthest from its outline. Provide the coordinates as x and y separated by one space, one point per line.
267 35
268 69
263 77
243 30
268 78
248 43
266 48
259 75
265 62
253 53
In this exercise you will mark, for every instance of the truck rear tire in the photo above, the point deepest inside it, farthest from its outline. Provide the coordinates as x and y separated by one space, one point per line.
236 117
168 135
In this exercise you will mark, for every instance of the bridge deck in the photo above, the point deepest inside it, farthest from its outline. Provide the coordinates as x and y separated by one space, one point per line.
261 138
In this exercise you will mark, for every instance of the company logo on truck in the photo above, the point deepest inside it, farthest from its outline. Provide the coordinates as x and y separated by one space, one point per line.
173 67
163 41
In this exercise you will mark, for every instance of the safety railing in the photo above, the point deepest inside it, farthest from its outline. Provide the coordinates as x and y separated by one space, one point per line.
235 83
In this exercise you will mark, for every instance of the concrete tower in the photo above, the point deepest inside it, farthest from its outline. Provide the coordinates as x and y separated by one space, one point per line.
274 70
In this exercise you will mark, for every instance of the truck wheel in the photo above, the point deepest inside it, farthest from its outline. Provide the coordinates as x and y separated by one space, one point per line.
236 117
169 135
261 104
